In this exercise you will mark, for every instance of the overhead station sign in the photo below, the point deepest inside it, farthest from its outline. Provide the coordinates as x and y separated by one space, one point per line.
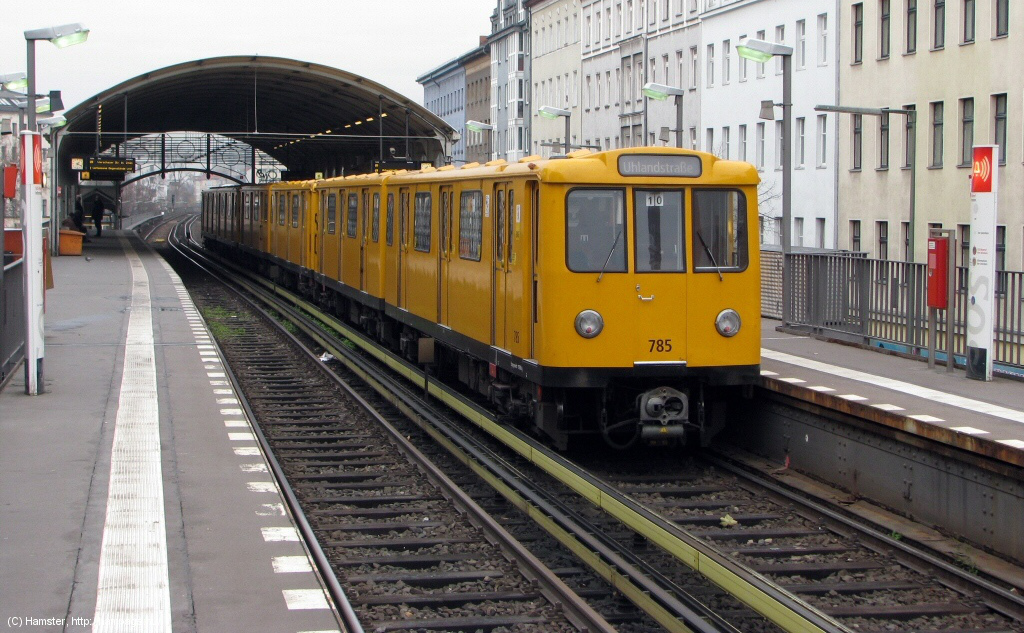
102 167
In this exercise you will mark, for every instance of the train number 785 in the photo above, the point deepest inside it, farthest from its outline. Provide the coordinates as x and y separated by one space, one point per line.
660 345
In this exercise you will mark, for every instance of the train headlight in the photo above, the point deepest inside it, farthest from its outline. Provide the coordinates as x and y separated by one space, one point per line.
589 323
727 322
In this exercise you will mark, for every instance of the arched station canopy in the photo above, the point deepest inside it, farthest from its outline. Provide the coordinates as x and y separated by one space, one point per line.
311 118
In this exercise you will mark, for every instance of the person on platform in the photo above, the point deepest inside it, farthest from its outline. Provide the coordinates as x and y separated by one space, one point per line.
78 217
97 215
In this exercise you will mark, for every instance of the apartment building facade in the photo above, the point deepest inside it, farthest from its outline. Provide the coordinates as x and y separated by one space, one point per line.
555 73
510 80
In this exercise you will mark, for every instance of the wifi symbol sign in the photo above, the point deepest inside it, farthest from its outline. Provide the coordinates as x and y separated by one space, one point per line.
982 180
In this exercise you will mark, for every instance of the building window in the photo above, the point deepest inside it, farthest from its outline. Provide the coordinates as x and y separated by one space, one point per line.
855 235
711 65
780 38
681 69
858 140
760 65
1002 18
939 24
743 143
759 147
693 138
725 142
801 44
911 26
858 33
710 137
693 67
742 63
969 21
883 239
966 132
936 134
726 58
819 232
778 146
905 240
999 125
798 230
908 137
800 140
823 39
883 141
884 25
822 141
1000 248
964 231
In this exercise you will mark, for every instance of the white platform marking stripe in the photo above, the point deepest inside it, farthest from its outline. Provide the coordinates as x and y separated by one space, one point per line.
305 599
898 385
280 534
1013 443
291 564
133 590
969 430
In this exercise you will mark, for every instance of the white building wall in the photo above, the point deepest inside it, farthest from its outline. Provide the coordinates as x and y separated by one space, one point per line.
555 73
730 104
992 64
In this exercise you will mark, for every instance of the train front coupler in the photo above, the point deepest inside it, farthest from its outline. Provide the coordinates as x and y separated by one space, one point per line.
664 413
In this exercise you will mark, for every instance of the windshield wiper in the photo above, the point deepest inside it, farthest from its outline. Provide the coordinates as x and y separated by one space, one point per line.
708 251
609 258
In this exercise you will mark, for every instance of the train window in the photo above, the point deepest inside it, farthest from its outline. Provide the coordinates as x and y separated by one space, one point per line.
471 224
421 222
499 231
282 207
295 211
391 219
510 222
660 231
719 231
332 213
256 206
444 220
596 230
366 213
353 214
375 231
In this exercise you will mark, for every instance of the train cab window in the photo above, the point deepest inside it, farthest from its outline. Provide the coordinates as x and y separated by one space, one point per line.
471 224
660 232
595 230
375 230
282 208
332 213
295 211
353 214
390 229
719 231
421 222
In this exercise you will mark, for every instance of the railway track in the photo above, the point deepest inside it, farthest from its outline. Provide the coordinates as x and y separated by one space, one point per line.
643 531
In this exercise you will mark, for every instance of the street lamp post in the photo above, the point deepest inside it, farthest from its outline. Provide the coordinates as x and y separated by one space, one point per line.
911 116
32 216
762 51
480 126
551 112
661 92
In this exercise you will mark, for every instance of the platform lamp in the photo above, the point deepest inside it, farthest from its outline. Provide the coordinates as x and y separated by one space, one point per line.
480 126
761 51
551 112
14 81
32 216
660 92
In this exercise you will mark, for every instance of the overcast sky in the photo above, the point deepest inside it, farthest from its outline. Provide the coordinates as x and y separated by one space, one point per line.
389 41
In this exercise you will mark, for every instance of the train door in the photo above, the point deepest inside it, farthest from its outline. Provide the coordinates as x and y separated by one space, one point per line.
403 242
499 268
519 270
363 234
444 252
660 259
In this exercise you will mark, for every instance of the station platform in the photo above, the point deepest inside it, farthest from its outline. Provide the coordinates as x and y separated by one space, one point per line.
904 393
133 495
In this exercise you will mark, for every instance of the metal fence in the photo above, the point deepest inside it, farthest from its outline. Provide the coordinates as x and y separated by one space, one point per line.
881 302
12 318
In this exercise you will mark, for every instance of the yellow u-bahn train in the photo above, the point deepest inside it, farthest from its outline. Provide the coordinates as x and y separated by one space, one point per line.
615 292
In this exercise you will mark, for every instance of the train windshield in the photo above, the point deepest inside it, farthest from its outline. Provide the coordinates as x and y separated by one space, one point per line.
719 231
596 230
660 232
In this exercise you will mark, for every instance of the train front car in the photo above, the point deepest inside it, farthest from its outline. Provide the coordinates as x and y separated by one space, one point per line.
648 294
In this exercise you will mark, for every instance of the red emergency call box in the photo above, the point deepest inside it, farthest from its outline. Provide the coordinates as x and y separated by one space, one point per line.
11 181
938 272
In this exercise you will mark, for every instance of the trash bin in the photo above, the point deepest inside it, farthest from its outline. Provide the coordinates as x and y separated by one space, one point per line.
70 242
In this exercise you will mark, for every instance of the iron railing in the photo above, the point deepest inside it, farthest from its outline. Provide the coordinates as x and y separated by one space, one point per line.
883 303
12 317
